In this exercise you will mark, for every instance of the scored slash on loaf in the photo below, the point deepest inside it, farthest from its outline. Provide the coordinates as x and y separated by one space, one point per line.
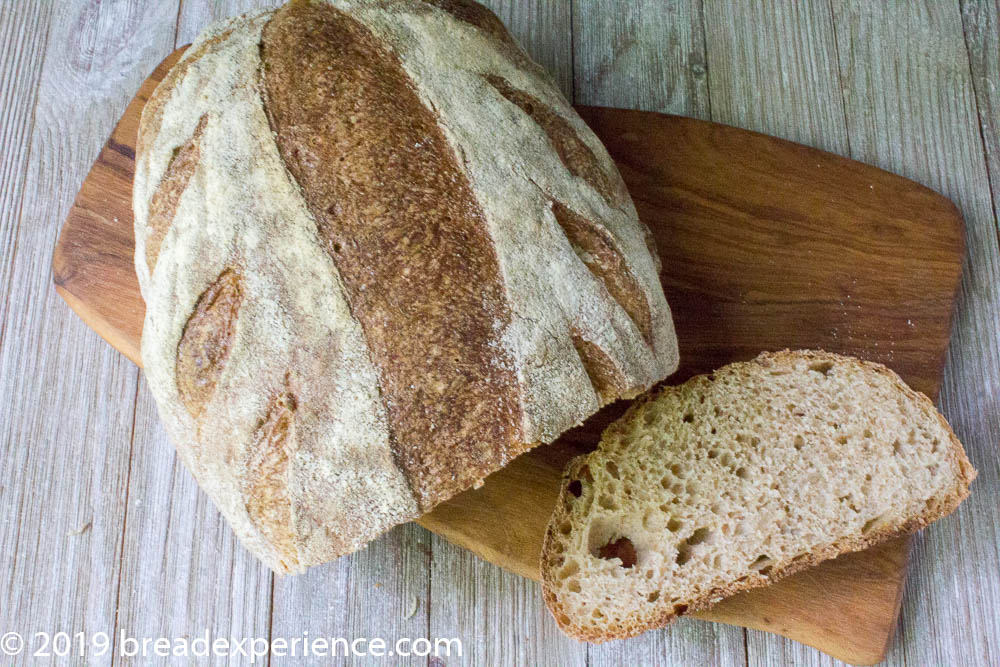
736 479
381 257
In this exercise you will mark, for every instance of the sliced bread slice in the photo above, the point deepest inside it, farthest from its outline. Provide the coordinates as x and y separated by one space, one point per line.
736 479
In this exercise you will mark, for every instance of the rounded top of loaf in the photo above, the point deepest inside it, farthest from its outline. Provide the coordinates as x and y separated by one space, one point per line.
381 257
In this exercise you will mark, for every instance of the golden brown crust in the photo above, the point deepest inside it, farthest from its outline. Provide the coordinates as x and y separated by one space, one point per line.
597 251
207 339
605 378
551 559
167 196
400 222
268 501
152 112
474 14
575 154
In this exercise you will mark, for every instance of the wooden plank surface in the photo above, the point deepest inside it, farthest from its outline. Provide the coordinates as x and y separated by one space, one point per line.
64 378
65 454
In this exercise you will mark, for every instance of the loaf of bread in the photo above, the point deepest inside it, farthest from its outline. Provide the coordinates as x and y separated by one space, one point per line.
381 256
736 479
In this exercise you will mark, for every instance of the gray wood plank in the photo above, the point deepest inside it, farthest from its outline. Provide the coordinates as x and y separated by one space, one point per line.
651 55
381 592
500 617
183 570
65 428
764 649
981 21
772 67
646 55
24 30
544 29
911 108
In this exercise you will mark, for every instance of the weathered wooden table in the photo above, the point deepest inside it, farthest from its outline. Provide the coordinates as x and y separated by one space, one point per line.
101 528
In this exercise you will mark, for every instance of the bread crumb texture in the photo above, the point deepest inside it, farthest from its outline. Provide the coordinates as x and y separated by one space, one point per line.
381 256
738 478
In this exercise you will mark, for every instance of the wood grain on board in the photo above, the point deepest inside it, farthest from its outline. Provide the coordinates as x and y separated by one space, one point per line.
766 244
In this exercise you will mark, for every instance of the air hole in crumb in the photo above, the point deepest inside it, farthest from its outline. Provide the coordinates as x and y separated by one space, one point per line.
842 440
683 554
680 609
699 536
823 367
653 597
742 473
712 453
868 434
569 570
585 473
566 528
684 548
799 443
870 525
598 614
897 447
607 502
676 469
935 445
674 525
622 549
575 487
762 562
612 469
563 619
688 418
574 586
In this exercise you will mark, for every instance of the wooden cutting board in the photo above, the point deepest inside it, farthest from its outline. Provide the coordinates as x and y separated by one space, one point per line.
765 244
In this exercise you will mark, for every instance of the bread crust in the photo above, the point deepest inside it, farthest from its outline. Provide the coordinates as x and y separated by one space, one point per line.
551 560
440 347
